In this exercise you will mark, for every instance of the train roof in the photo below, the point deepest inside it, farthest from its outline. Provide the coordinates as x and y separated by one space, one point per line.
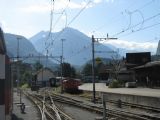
2 43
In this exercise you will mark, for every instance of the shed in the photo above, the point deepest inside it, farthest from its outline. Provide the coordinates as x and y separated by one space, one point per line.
148 75
43 76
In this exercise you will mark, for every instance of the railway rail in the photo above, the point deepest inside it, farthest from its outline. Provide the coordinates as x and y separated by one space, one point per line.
119 114
47 108
126 105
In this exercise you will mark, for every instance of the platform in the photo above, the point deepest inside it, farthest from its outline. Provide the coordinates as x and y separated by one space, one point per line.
31 112
101 87
141 96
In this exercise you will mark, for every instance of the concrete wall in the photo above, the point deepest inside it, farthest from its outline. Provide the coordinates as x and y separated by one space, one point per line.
141 100
44 75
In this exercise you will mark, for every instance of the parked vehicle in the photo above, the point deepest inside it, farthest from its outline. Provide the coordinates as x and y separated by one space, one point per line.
71 85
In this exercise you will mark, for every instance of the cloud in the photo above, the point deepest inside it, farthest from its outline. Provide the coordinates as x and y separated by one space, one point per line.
4 26
58 5
110 1
134 46
98 1
36 8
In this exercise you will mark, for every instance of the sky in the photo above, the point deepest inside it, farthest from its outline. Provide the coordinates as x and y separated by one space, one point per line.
136 23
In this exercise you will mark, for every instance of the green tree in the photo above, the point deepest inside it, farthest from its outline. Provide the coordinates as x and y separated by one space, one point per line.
68 70
26 77
73 72
37 66
87 70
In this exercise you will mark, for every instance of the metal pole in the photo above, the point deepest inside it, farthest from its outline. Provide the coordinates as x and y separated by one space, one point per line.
61 75
93 61
62 60
93 69
18 73
104 108
62 49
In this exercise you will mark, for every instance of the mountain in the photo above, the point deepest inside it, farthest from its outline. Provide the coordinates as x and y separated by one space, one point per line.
77 47
26 49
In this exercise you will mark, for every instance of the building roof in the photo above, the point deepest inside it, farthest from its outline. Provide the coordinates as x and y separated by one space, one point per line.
149 64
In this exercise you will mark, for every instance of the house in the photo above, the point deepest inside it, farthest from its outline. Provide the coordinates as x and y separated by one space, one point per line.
43 76
148 75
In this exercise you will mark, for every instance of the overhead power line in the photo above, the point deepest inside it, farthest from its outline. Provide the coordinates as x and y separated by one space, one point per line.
72 20
79 13
133 26
129 13
147 27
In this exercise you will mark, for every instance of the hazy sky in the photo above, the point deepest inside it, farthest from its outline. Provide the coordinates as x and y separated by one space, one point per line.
136 23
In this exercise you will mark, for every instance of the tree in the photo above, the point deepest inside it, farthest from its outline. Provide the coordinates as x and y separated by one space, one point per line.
87 70
117 65
26 77
37 66
73 72
68 70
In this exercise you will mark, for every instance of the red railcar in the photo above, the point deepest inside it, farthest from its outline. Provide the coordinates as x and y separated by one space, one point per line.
71 85
5 82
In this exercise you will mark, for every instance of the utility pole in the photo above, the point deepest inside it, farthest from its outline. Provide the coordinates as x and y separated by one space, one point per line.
61 75
18 72
93 62
93 70
62 60
62 49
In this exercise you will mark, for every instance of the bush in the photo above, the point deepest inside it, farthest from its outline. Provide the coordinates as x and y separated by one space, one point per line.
25 86
115 84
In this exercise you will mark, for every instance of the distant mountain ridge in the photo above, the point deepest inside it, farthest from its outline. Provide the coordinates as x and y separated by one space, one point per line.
26 50
76 46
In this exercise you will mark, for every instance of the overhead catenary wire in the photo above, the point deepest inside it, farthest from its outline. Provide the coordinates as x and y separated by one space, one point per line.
130 13
50 26
71 21
74 18
147 27
59 18
128 28
133 26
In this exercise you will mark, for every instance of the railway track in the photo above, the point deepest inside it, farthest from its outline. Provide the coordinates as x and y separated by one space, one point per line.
48 110
151 112
118 114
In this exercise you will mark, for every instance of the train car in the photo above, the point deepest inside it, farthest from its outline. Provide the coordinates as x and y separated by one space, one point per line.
5 82
71 85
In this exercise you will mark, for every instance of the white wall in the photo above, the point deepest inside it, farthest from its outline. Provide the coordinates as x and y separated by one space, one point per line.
44 75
